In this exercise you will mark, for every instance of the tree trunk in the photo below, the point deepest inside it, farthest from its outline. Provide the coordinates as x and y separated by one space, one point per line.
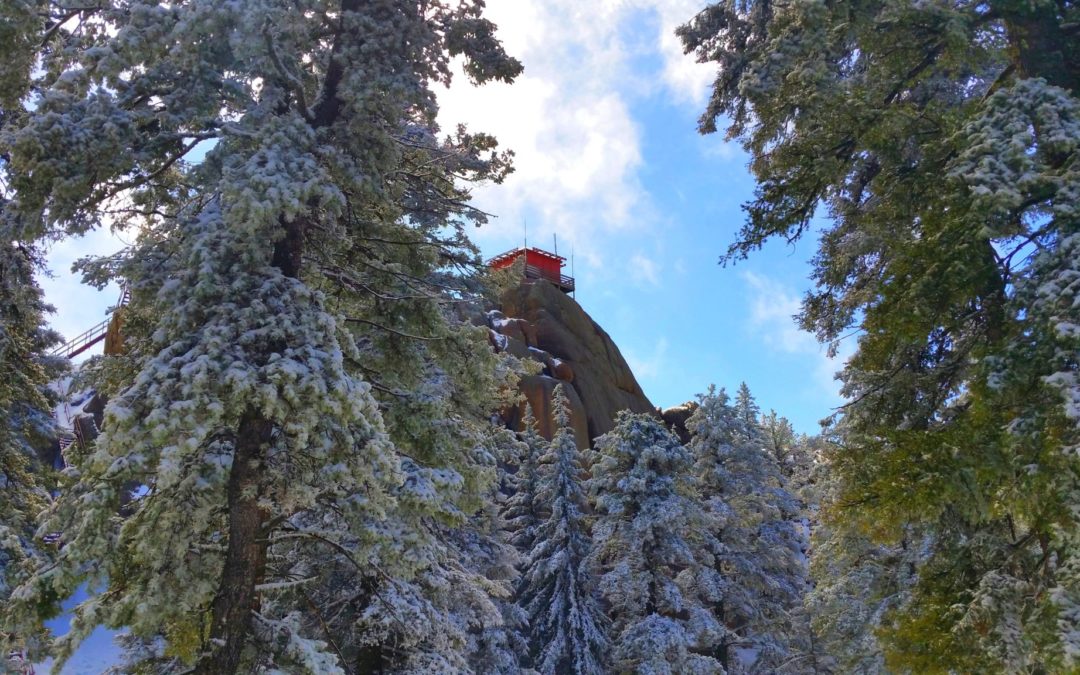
723 652
245 561
371 659
1039 46
245 558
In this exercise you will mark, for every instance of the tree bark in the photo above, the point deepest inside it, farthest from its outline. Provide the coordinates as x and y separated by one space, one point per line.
328 107
245 560
371 659
245 557
1038 44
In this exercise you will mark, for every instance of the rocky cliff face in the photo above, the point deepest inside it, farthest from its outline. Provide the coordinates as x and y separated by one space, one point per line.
538 321
675 418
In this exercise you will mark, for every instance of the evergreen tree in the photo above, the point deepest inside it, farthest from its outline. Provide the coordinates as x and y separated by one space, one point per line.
296 279
441 426
749 413
26 429
807 474
796 456
567 627
502 646
26 420
521 514
654 549
522 510
857 582
754 519
782 442
942 140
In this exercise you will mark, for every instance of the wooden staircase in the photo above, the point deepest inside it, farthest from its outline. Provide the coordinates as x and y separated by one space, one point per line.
81 343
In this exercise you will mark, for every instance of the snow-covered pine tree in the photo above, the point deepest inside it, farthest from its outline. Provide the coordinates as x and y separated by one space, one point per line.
653 546
26 419
498 648
497 642
522 512
755 521
797 458
567 628
749 413
519 515
26 430
783 443
807 474
943 141
856 583
433 595
438 413
325 203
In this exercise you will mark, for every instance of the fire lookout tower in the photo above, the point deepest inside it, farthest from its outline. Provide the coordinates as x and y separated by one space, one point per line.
539 264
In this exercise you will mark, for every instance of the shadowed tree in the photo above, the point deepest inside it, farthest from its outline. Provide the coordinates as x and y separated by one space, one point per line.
27 428
941 140
754 522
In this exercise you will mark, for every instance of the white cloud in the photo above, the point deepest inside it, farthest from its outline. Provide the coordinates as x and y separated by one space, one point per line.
716 146
772 310
644 268
652 365
687 79
568 118
78 307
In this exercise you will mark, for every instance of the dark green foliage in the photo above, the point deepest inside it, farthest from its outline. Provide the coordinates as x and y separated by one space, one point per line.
942 139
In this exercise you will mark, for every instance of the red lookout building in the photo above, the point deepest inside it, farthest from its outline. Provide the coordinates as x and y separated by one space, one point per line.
539 264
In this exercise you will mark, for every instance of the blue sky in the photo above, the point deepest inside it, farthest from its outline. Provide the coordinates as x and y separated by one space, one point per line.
603 124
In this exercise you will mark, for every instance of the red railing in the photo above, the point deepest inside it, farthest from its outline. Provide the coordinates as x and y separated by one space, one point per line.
80 344
561 280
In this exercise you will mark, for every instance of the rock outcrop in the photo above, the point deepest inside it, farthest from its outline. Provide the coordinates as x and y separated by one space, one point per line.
538 321
675 419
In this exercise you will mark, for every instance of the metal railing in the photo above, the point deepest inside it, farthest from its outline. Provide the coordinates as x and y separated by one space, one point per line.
80 344
66 439
561 280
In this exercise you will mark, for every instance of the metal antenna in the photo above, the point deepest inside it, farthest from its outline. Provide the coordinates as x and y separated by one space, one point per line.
572 273
525 228
555 239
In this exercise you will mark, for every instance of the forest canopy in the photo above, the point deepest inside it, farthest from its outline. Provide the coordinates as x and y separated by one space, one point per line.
938 142
302 464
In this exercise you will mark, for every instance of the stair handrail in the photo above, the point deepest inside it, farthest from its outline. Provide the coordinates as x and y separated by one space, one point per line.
88 339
